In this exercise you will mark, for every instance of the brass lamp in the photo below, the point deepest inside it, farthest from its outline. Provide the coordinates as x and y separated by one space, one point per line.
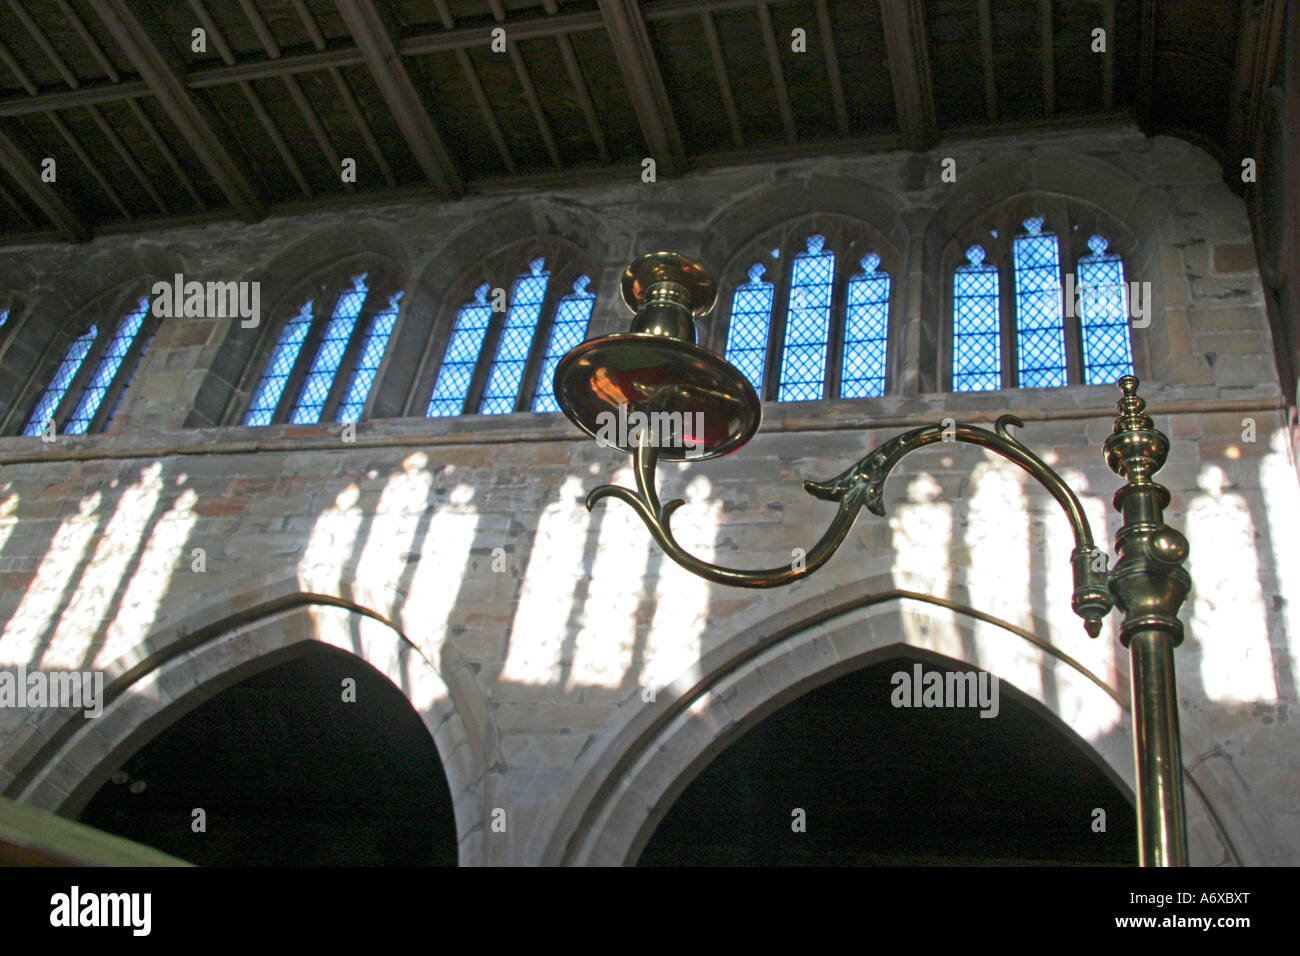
658 369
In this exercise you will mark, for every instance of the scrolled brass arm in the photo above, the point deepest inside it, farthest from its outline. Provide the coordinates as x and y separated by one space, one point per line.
862 484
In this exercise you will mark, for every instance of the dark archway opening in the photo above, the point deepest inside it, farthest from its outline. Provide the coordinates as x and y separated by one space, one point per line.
288 773
882 785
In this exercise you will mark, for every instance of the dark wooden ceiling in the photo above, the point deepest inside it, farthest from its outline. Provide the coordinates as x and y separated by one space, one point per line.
147 133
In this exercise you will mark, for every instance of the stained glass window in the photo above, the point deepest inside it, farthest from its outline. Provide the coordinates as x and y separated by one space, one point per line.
976 338
749 326
4 317
109 362
866 325
457 370
1107 347
333 344
276 376
568 330
1040 321
516 340
803 359
372 353
63 376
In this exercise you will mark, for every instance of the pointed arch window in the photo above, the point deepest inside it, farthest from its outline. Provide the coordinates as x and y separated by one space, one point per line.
87 385
572 316
322 365
1049 327
503 348
977 345
813 324
1103 315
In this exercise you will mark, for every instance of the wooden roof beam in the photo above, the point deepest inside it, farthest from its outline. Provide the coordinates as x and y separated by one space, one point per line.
986 57
364 22
724 81
832 67
21 171
1046 45
909 70
179 105
645 85
778 75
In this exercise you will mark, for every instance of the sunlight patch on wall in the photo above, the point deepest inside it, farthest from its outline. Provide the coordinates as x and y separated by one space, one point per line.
97 587
8 518
921 535
1277 482
998 545
402 504
35 613
555 565
676 638
603 649
442 564
152 578
1228 618
332 536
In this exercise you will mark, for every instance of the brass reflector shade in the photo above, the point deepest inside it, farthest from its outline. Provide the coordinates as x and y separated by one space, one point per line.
654 380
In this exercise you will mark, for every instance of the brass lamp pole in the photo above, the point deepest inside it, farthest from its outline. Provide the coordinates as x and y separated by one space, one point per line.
658 371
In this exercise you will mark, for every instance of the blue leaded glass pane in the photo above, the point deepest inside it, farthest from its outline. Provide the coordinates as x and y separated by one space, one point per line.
452 387
1107 346
568 330
976 326
63 376
329 355
807 329
107 368
749 326
516 341
866 323
1040 321
372 353
4 317
269 389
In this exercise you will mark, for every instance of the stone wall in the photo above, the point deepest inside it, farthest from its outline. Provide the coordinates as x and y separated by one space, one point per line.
572 675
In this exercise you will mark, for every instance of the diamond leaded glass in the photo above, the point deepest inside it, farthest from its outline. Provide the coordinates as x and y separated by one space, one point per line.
866 322
803 359
329 355
63 376
130 377
976 339
372 353
270 388
507 372
106 369
1040 320
457 370
1107 346
748 328
567 331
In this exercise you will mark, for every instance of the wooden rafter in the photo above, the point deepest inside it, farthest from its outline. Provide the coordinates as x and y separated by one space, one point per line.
254 101
179 105
640 70
778 75
21 171
986 58
909 70
724 81
17 70
580 90
17 207
485 108
166 152
534 104
832 67
364 22
114 140
91 166
93 45
1048 56
1108 58
1146 62
44 43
